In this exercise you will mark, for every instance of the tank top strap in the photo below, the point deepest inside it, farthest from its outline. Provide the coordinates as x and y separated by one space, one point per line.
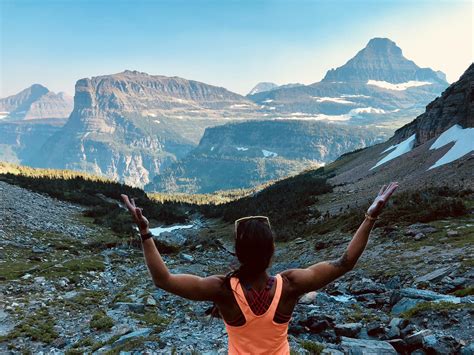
276 298
242 301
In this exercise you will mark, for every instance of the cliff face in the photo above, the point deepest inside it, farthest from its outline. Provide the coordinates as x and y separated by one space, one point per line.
454 106
130 125
35 103
240 155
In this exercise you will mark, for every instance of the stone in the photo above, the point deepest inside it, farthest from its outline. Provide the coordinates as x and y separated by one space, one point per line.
348 329
308 298
398 344
451 233
374 328
187 257
416 339
150 301
435 275
366 286
468 349
419 236
144 332
428 295
318 326
367 347
414 229
404 305
134 307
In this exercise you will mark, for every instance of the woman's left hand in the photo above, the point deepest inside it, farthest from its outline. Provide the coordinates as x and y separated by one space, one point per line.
384 194
137 215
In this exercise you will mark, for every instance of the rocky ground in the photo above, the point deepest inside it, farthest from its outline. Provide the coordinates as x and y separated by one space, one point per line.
69 286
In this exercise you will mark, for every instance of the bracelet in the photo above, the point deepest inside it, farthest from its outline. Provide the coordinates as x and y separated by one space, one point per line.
146 236
370 218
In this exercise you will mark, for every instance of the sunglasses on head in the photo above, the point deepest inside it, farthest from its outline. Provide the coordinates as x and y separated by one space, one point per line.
242 220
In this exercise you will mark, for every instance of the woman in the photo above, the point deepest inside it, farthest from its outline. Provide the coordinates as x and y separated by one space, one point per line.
256 308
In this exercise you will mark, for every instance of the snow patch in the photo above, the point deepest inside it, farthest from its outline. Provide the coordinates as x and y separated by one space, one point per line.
267 101
336 100
158 230
156 121
241 148
267 153
372 110
3 114
398 149
463 139
212 148
397 87
355 96
239 106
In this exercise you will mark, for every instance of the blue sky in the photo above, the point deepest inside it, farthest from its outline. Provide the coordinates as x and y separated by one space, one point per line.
234 44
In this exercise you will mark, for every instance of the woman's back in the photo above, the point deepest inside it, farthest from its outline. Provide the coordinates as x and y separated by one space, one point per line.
259 334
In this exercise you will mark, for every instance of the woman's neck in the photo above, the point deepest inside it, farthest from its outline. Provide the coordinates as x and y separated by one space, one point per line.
256 281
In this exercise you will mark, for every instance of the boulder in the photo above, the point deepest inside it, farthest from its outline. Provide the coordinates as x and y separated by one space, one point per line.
428 295
375 328
367 347
468 349
168 242
398 344
366 286
348 329
436 275
404 305
414 229
308 298
415 340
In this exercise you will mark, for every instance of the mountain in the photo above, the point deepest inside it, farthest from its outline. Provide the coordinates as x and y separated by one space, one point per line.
262 87
28 119
129 125
245 154
267 86
34 103
435 149
377 86
382 60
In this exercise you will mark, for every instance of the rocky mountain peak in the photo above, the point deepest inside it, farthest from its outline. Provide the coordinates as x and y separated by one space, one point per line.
36 102
262 87
382 60
454 106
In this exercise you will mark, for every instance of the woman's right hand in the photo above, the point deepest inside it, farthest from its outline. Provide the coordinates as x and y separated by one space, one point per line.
384 194
137 215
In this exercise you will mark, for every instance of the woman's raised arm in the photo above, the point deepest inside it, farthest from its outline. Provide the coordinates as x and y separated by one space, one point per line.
320 274
185 285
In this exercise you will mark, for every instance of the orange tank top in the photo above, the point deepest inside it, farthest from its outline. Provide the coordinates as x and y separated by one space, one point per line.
259 334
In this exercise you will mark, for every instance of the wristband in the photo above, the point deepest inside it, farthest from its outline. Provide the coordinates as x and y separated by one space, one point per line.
370 218
146 236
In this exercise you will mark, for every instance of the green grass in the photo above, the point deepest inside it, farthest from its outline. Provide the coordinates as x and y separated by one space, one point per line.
101 321
437 307
313 347
468 291
38 326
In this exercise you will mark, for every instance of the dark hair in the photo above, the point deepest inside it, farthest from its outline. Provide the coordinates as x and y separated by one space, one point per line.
254 248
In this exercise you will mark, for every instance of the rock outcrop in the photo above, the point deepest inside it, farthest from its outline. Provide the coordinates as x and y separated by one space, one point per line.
454 106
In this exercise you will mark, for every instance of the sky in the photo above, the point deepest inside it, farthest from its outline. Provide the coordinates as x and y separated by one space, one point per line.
234 44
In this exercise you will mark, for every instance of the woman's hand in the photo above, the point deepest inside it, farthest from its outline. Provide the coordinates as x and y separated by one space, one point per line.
137 215
381 199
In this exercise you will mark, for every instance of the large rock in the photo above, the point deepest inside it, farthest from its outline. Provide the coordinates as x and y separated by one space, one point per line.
351 330
366 286
366 347
404 305
437 274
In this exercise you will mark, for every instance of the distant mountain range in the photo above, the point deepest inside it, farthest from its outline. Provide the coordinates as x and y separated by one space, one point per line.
36 103
133 126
